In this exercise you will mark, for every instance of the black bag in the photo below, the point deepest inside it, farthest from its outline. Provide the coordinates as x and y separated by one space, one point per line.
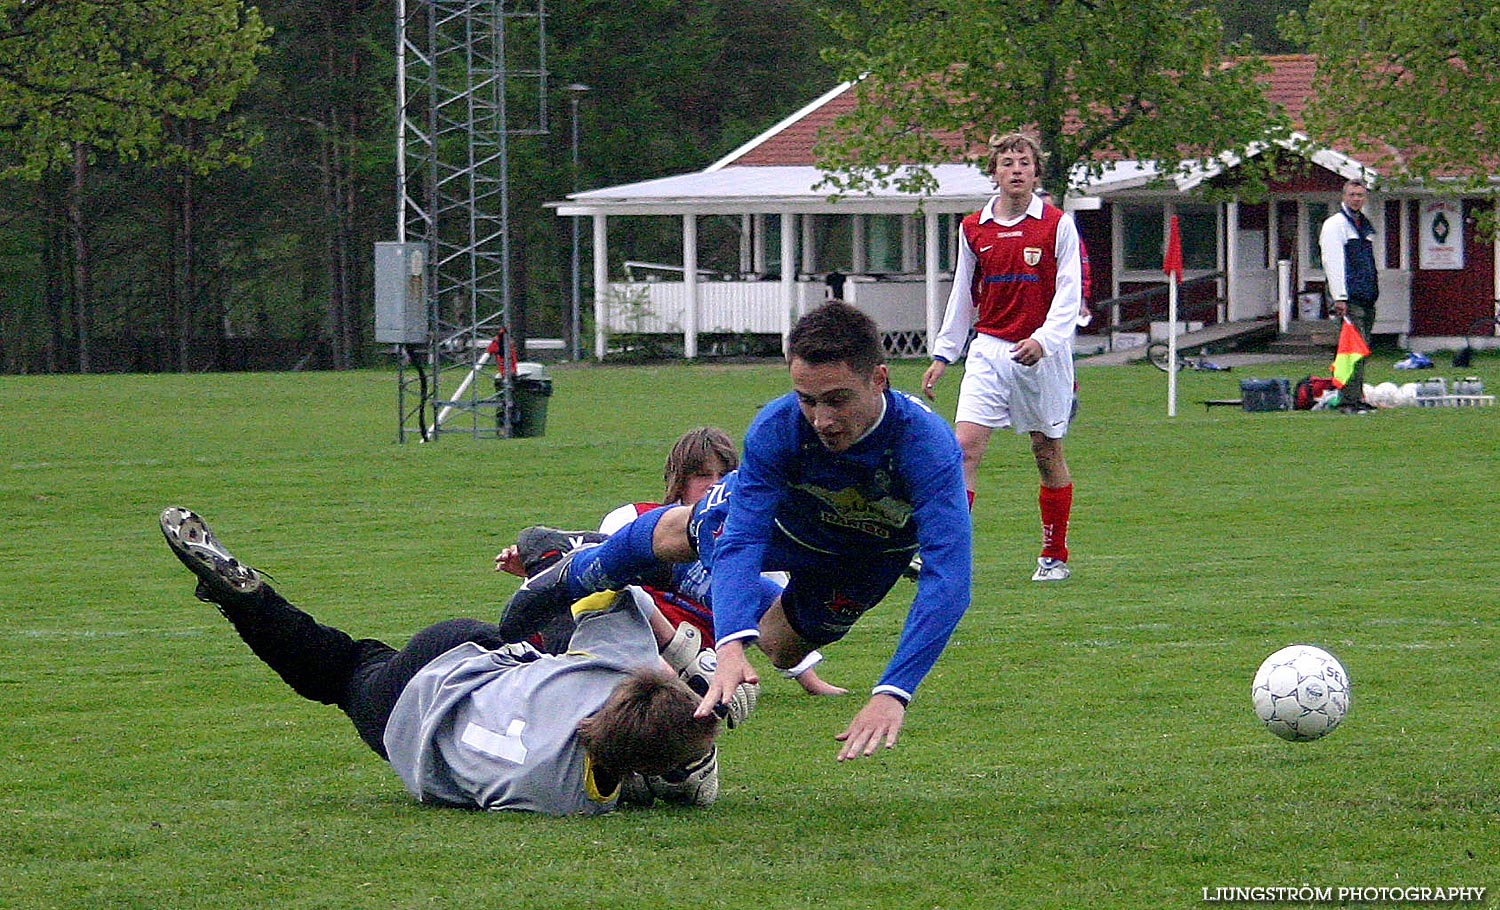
1266 394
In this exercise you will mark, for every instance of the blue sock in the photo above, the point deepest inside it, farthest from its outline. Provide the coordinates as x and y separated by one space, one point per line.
619 561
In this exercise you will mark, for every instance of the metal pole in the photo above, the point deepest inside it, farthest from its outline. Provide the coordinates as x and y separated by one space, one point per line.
577 325
575 91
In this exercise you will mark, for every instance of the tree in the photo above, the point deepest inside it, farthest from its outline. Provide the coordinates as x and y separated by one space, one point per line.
1256 22
81 78
109 74
1135 79
1415 83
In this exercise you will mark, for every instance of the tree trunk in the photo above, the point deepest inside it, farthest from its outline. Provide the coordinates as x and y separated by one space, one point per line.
331 251
82 278
186 270
53 199
175 311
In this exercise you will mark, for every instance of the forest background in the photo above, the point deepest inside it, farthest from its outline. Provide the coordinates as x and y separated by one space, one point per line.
158 250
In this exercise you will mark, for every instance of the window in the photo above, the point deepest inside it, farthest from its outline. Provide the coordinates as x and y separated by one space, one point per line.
1144 229
833 242
883 244
1317 213
1142 237
1199 226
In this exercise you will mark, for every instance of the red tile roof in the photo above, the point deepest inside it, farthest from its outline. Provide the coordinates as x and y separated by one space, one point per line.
1288 85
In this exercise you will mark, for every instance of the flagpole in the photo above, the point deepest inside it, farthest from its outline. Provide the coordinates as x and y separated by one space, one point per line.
1172 345
1172 264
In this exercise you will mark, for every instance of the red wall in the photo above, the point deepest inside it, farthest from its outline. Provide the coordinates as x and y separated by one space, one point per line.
1445 302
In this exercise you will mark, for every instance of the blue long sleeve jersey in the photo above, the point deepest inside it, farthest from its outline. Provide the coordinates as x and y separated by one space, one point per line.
898 488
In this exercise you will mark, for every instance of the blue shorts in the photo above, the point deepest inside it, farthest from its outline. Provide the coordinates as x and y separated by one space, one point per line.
826 593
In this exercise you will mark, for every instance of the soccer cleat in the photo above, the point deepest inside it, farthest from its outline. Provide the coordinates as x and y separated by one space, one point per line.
540 599
913 569
695 784
1049 569
699 675
220 575
540 547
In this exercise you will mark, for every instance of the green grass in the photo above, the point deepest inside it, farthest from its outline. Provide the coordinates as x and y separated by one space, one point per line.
1087 744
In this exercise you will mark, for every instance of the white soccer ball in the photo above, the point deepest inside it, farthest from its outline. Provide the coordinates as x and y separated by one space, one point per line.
1300 692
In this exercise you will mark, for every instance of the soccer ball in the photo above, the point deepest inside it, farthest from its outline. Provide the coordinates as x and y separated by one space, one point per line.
1300 692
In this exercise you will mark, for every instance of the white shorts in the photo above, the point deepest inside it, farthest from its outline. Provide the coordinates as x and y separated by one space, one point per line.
998 392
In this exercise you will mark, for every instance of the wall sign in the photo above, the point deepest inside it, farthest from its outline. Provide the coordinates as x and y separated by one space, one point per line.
1441 234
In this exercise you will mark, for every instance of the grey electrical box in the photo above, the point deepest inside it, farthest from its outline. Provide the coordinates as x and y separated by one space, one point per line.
401 293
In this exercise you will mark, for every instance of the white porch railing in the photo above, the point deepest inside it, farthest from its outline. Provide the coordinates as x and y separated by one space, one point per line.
660 307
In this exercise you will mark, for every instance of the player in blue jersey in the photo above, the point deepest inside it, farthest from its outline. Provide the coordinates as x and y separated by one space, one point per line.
843 480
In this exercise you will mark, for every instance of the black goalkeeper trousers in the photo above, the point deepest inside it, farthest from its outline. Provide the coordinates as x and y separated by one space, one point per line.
363 677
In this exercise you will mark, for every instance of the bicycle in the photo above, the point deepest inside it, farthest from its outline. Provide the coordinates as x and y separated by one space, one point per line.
1159 352
1483 327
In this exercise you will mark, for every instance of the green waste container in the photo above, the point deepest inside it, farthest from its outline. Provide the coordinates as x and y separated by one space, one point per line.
530 389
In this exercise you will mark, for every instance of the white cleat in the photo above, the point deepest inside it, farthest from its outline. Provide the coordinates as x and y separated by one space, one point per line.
1049 569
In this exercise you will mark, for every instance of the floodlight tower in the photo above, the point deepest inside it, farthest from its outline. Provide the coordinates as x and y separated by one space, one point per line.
471 76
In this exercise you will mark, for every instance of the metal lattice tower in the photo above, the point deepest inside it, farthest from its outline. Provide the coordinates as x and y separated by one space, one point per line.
471 76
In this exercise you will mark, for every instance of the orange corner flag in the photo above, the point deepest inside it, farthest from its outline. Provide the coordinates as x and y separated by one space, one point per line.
1172 262
1351 348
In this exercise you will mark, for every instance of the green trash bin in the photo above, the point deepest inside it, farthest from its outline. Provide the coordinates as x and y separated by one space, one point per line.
530 389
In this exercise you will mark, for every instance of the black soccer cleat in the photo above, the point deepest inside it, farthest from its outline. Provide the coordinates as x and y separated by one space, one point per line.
542 598
220 575
540 547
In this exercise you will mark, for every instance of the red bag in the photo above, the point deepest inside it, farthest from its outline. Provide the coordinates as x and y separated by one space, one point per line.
1309 390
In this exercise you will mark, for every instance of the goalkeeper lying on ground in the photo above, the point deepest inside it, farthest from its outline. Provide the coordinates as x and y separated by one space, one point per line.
466 720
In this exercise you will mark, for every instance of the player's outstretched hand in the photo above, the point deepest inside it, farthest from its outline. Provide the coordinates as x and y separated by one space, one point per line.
509 560
880 719
734 668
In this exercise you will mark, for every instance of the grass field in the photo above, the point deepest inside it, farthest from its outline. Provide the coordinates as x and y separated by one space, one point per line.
1085 744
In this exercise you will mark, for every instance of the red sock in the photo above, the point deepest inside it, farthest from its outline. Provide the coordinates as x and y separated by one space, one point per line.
971 499
1057 505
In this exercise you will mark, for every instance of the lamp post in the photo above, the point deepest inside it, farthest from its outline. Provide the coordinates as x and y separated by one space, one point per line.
575 92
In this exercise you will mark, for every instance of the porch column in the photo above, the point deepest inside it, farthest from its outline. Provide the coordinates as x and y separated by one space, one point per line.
934 305
1273 233
809 257
690 285
601 283
908 244
1406 238
747 249
758 246
788 274
1232 258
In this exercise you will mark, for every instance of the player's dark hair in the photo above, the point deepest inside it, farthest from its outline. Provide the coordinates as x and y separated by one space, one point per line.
692 453
837 332
647 725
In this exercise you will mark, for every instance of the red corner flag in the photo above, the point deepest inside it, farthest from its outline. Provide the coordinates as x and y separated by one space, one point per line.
1350 349
1172 262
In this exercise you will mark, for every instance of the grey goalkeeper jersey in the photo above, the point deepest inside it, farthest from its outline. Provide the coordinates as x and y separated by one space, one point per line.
490 730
